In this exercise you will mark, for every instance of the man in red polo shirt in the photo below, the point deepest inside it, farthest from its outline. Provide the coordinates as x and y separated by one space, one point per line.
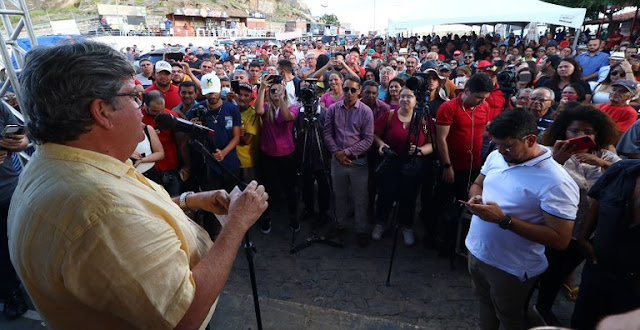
460 123
163 84
619 109
166 170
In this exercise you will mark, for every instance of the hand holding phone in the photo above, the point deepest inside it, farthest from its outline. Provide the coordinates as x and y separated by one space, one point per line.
583 142
12 129
235 86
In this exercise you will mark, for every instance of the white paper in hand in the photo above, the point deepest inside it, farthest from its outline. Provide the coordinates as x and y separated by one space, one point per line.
222 218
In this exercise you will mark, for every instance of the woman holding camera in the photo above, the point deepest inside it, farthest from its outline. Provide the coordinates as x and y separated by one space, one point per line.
400 179
585 165
277 158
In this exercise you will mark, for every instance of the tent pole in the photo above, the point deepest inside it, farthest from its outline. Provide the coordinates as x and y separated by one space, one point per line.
633 25
575 41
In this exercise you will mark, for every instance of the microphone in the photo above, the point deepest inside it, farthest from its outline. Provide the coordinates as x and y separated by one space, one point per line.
167 121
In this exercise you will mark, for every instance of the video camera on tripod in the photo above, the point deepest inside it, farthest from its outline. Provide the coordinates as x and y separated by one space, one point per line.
508 79
309 97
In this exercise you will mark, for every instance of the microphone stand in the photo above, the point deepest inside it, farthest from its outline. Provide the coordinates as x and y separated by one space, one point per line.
249 248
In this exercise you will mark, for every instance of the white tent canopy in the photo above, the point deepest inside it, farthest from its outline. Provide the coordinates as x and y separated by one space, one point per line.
478 12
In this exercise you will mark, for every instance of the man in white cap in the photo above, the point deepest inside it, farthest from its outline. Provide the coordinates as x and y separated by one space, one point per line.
224 118
163 83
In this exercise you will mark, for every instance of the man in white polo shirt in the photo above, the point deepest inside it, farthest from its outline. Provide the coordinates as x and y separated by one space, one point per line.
522 201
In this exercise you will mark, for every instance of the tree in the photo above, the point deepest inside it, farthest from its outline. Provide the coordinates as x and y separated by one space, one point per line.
330 19
596 7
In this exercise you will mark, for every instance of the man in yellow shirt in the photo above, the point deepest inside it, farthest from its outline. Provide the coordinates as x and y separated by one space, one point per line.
96 244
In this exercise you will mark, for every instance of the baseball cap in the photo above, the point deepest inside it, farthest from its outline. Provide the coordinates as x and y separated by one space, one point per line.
210 83
431 66
247 87
457 52
631 86
370 51
552 43
376 55
445 66
617 56
483 64
163 66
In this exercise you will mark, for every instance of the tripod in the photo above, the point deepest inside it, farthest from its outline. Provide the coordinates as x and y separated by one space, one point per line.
311 133
249 248
421 113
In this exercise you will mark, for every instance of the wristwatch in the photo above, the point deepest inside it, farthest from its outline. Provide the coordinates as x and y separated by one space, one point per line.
505 223
183 200
446 165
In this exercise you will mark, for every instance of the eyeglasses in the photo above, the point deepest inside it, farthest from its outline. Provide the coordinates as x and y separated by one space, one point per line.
138 96
522 98
617 73
353 90
534 99
468 57
423 52
273 90
581 131
509 147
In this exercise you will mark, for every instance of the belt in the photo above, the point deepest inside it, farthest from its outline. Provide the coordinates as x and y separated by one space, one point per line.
354 157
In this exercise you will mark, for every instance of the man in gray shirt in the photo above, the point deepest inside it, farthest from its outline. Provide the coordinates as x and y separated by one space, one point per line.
348 134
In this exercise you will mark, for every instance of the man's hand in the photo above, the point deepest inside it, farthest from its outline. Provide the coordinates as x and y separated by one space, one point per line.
246 207
215 201
477 199
232 96
490 212
447 175
14 142
219 155
587 249
342 157
196 121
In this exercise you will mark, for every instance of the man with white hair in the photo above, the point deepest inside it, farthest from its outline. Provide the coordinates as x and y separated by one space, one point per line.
386 74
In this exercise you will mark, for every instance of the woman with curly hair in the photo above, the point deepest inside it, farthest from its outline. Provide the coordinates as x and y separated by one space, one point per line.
568 72
585 167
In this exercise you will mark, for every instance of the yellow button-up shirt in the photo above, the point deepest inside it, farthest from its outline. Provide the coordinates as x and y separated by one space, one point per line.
98 246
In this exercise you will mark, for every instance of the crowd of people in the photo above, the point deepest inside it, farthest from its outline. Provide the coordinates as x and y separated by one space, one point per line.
531 137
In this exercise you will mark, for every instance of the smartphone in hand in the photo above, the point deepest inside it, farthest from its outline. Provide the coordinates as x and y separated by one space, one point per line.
582 142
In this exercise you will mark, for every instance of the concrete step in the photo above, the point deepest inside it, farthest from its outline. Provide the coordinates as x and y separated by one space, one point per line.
236 311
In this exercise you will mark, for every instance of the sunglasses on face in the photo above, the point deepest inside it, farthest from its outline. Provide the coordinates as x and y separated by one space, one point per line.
273 90
353 90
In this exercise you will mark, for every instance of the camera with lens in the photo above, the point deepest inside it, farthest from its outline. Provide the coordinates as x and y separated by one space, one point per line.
200 112
419 84
309 96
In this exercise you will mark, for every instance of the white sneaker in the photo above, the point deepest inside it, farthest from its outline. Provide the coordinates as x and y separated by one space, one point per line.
407 233
377 232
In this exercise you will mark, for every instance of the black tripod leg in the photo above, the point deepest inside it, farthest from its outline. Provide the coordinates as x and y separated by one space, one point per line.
395 241
248 249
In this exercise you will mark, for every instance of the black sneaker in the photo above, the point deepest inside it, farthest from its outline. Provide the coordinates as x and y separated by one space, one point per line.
265 226
15 304
294 224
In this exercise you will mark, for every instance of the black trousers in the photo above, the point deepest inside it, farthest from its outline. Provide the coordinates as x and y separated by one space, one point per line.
561 264
603 293
8 278
280 172
309 175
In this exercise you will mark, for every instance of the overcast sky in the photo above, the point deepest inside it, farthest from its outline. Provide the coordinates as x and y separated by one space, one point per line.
359 13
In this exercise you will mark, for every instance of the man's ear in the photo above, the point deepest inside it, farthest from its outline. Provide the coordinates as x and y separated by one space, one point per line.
101 111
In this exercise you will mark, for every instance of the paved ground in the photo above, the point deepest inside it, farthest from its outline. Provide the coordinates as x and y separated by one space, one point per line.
323 287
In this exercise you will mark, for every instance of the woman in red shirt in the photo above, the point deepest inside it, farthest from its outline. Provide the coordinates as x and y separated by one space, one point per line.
400 179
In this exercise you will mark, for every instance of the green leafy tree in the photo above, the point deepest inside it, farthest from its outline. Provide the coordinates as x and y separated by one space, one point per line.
330 19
